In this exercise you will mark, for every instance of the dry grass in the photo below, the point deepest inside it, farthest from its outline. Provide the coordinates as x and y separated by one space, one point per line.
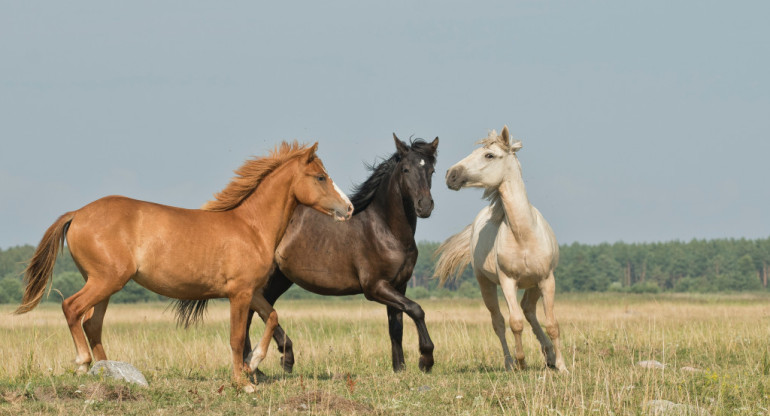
343 361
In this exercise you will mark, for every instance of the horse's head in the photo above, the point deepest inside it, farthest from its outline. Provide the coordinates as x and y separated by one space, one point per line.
486 166
414 170
313 187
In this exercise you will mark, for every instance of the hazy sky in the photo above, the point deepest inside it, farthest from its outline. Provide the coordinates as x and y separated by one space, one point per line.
641 121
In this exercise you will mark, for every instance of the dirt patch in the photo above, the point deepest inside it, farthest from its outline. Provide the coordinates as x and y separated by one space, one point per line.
318 401
96 392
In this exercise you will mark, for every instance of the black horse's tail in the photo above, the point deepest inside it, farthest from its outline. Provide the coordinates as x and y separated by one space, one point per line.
189 312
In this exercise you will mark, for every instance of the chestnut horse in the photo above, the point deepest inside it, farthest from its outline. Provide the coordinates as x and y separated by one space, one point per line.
374 253
509 244
223 250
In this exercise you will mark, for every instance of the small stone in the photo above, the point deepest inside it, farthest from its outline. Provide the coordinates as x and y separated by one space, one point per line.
423 388
119 371
691 370
651 364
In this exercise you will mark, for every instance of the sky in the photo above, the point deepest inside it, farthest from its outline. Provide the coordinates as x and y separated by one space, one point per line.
641 121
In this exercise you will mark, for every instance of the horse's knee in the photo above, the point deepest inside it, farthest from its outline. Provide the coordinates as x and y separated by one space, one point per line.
415 311
552 328
517 325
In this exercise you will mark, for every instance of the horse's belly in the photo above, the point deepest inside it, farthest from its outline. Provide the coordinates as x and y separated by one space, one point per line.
182 288
319 277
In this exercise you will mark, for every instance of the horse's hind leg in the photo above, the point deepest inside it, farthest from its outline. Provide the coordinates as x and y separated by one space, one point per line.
548 288
75 307
489 294
92 324
259 304
277 286
529 305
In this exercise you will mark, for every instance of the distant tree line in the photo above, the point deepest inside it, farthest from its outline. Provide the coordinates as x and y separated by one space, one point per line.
727 265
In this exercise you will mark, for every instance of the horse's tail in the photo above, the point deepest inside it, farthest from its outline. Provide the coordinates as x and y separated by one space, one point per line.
189 312
40 269
454 255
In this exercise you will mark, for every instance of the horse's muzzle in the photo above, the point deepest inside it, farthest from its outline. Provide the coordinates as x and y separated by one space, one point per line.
424 207
455 178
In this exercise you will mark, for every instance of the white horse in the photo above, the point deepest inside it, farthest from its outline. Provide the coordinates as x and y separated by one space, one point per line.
508 244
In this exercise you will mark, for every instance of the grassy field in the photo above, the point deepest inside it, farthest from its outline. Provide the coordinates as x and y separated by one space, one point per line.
343 361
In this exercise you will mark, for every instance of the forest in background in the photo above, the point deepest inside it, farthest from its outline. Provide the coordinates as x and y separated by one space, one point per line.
726 265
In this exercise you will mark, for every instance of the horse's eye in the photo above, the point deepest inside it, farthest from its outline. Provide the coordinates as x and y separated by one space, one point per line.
489 156
405 170
321 178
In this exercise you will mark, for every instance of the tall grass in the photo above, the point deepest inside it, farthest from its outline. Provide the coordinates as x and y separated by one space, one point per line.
343 350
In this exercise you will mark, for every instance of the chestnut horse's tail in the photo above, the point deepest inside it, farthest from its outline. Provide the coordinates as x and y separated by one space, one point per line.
189 312
40 269
454 255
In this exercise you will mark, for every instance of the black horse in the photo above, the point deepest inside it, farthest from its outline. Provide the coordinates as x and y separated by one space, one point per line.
373 253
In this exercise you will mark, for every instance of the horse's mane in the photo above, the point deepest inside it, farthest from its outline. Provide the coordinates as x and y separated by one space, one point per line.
364 193
250 175
491 139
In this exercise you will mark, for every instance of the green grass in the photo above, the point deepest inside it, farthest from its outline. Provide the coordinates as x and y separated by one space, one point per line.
343 365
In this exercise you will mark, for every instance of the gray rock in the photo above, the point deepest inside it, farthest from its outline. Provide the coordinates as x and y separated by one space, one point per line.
651 364
667 408
118 370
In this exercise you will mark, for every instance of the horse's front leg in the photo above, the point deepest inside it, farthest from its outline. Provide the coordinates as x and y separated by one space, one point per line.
396 331
384 293
239 309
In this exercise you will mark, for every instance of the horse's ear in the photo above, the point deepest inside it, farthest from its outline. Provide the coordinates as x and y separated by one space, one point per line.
516 146
505 137
311 153
434 144
402 147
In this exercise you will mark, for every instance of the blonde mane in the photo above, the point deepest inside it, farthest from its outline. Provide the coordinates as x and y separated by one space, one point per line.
250 175
492 138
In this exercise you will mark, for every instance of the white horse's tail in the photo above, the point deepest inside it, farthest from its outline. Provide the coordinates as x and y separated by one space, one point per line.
454 255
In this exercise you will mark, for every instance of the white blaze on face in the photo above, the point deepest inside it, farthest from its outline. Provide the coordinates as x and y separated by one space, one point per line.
341 194
422 162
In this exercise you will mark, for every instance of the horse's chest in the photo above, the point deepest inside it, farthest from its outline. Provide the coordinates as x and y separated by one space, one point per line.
399 267
527 266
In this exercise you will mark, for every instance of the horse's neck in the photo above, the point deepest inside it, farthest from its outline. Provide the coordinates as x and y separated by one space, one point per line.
392 208
268 209
518 211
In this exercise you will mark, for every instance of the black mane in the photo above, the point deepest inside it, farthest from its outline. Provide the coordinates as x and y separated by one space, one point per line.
364 193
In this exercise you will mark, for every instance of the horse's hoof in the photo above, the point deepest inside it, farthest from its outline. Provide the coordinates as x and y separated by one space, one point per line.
288 365
508 365
82 369
426 364
521 365
250 388
397 368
